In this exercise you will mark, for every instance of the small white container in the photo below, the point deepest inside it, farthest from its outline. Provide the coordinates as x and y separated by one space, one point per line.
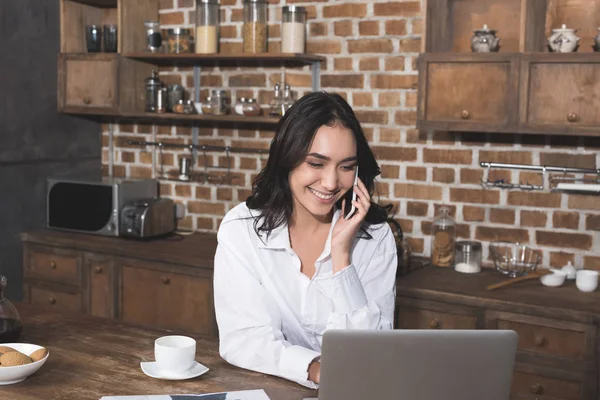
555 279
175 353
570 270
586 280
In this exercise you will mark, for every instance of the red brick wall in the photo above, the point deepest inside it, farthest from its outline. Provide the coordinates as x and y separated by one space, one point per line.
371 50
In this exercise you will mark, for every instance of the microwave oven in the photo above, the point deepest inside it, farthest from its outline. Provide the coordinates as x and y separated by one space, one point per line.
93 206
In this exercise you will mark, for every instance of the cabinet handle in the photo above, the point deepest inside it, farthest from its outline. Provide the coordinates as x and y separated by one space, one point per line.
572 117
434 324
51 300
539 340
465 114
87 101
52 265
166 280
536 388
98 269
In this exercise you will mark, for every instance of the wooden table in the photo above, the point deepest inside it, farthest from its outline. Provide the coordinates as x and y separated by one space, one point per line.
94 357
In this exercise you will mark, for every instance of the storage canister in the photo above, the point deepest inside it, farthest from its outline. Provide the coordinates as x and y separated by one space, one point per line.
443 238
255 26
207 26
293 29
179 40
468 256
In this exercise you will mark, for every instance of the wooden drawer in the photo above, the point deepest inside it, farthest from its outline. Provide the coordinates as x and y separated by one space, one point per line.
553 338
58 300
167 300
53 265
525 384
419 314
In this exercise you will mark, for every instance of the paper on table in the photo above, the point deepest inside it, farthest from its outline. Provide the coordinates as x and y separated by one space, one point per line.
239 395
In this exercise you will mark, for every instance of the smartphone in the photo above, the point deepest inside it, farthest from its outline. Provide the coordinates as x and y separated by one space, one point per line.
350 213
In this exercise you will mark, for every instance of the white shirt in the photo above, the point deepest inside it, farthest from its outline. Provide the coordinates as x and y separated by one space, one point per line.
272 317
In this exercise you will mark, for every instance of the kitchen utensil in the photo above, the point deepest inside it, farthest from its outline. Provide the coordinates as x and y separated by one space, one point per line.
555 279
533 275
586 280
570 270
484 40
175 353
10 375
514 259
468 256
563 40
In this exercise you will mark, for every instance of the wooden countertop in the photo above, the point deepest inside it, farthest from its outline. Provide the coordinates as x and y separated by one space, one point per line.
444 284
196 250
94 357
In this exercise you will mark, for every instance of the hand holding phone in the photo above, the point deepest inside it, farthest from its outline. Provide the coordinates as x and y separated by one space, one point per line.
353 209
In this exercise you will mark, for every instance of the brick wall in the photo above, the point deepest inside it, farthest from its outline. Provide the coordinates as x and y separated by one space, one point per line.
371 50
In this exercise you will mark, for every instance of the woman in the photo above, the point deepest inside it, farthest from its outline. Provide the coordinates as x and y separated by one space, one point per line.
289 265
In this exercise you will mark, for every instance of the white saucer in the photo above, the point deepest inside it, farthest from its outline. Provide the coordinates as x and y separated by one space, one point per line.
151 369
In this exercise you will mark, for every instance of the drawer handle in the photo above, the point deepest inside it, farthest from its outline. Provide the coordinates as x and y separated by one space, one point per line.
536 388
434 324
166 280
539 341
51 300
52 265
465 114
98 269
87 101
572 117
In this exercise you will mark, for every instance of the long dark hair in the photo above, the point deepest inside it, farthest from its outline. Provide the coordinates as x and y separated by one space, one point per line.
271 193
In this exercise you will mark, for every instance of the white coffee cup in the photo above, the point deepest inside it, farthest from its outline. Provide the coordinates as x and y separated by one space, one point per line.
586 280
174 353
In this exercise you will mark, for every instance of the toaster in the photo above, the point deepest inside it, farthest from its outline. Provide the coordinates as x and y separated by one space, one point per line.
148 218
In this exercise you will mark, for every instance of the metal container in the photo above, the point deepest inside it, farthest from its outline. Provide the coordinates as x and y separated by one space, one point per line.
153 85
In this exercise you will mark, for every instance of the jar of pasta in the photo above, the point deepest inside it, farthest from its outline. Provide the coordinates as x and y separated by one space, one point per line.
255 26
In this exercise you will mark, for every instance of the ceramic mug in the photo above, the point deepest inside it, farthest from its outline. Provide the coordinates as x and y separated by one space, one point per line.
174 353
586 280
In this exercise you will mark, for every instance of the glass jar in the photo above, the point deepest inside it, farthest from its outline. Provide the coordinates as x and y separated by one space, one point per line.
207 106
468 256
287 99
153 36
10 321
221 103
275 103
207 26
239 106
153 85
179 40
443 236
255 26
293 29
251 108
176 94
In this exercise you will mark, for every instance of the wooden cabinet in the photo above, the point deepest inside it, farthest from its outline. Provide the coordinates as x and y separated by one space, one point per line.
419 314
472 92
159 284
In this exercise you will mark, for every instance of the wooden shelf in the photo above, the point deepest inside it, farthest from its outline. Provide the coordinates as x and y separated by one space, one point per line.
225 58
145 117
98 3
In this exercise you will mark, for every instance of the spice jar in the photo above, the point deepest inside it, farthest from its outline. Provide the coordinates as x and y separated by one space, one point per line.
207 106
153 85
161 100
176 93
153 36
239 106
442 242
275 103
179 40
293 29
251 108
468 256
221 103
207 26
255 26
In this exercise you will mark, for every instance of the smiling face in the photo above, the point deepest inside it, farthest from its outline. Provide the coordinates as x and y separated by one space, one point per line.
326 174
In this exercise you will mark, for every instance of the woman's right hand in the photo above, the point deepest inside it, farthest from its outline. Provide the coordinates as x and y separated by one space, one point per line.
314 372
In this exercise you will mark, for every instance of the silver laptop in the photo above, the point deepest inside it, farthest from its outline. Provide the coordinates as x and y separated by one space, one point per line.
417 364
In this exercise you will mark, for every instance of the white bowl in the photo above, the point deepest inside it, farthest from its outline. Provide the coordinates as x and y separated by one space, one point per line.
10 375
556 278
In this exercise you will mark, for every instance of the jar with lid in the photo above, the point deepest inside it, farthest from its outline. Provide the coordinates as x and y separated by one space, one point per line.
207 26
468 256
221 103
287 99
175 94
251 108
207 106
443 237
255 26
153 86
275 103
10 321
179 40
153 36
239 106
293 29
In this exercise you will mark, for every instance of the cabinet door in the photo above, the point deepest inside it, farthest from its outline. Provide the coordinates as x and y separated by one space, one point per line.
544 387
560 94
167 300
100 286
421 314
88 82
464 92
52 264
56 299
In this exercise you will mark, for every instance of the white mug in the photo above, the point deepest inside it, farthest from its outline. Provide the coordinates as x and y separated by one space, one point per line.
174 353
586 280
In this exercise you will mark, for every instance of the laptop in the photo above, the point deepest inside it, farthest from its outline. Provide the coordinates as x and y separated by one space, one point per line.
417 364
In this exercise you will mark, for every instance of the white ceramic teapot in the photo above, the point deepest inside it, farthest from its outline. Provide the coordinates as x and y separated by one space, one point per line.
563 40
484 40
